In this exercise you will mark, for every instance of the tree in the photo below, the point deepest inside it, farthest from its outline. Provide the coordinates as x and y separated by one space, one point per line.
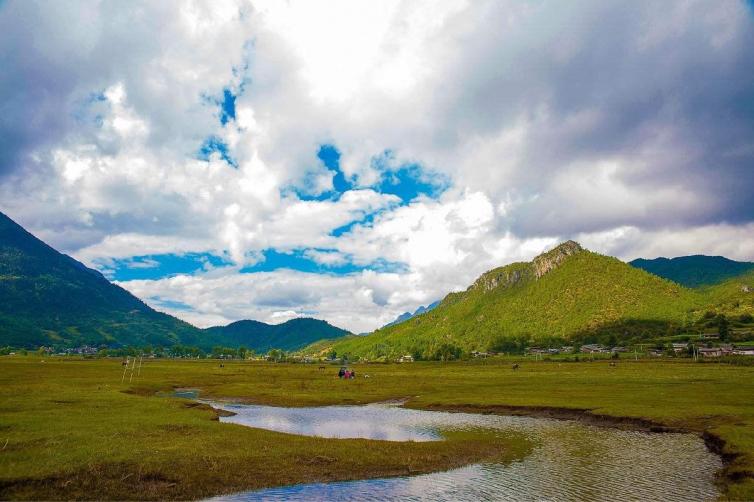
505 344
722 327
446 352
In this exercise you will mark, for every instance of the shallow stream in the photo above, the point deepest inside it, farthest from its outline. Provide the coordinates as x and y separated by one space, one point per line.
570 460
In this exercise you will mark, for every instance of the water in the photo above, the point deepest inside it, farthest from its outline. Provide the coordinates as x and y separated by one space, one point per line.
389 423
570 460
185 393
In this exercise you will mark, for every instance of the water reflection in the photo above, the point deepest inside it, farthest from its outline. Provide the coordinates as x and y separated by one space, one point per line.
571 460
388 423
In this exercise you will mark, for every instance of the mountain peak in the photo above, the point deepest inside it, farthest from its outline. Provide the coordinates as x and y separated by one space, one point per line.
554 257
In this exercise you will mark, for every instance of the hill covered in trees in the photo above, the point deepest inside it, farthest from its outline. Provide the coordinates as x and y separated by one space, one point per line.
48 298
694 271
563 296
290 335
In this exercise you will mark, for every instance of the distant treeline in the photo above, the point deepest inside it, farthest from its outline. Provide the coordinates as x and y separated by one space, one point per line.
183 351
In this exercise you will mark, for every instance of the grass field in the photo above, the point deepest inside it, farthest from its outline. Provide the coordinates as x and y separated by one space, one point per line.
70 429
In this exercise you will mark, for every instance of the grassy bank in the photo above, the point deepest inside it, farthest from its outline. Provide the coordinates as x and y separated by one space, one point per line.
71 429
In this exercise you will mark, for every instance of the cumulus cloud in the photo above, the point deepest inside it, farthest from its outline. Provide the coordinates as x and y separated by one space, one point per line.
135 129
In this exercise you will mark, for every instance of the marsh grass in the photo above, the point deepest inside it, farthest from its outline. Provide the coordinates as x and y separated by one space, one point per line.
74 431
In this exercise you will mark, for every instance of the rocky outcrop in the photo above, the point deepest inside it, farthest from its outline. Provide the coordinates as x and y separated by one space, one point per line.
514 273
504 276
553 258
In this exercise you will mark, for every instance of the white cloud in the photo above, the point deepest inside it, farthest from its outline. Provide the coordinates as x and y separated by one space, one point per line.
274 297
732 241
618 124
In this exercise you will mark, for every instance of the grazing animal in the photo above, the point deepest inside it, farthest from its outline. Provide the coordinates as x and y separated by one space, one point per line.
321 368
515 367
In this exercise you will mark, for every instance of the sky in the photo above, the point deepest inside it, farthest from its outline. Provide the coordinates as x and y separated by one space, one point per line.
351 160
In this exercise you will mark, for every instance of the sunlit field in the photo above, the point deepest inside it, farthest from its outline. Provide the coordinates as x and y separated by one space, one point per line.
71 429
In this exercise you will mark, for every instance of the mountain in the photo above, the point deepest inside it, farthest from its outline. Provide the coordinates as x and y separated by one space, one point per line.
566 294
290 335
694 271
48 298
408 315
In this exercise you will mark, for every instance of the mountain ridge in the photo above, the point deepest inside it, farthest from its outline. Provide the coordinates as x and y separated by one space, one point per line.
564 294
409 315
694 271
49 298
291 335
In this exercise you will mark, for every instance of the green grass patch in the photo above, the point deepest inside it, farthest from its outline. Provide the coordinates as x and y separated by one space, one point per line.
74 431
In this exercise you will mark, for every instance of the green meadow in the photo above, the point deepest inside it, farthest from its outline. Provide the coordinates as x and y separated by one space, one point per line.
70 429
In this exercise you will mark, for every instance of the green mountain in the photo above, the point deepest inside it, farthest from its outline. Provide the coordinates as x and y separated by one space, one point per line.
290 335
694 271
563 295
48 298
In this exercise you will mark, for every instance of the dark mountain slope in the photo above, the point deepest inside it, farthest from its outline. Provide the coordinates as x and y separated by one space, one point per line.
694 271
290 335
49 298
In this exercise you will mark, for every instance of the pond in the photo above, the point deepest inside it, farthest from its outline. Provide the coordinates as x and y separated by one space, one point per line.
570 460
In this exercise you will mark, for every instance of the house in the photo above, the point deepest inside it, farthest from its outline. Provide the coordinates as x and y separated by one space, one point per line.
710 352
479 354
709 336
536 350
566 349
655 352
593 348
408 358
680 347
619 349
743 351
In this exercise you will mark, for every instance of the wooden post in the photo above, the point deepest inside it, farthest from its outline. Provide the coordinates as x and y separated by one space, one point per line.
141 358
125 367
132 371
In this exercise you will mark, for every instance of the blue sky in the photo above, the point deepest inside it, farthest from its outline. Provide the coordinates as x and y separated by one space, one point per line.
407 182
231 159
